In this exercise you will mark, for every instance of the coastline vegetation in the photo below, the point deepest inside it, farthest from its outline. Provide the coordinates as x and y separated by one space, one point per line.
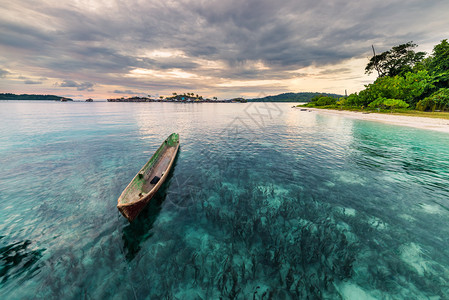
11 96
181 98
408 83
292 97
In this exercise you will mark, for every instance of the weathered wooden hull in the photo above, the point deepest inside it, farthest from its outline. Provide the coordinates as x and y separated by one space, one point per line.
141 189
132 211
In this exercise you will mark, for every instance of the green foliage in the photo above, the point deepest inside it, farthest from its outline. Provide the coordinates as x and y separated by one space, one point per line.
383 87
379 103
426 104
391 103
411 88
322 101
437 101
342 101
387 87
316 97
351 100
397 61
441 80
325 100
10 96
293 97
416 86
407 79
440 58
423 65
395 103
184 97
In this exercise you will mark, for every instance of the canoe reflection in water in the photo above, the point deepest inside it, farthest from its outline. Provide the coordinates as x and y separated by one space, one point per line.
139 230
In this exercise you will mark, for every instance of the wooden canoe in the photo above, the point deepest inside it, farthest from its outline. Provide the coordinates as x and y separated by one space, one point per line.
149 179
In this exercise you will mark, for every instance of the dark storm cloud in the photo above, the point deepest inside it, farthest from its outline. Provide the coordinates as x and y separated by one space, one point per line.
3 73
79 86
172 63
23 36
102 44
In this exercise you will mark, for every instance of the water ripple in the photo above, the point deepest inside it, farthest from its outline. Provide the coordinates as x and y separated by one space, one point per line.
299 205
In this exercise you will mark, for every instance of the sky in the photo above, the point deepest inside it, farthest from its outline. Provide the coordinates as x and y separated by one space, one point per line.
222 48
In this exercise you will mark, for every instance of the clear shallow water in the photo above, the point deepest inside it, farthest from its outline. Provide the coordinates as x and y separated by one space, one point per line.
264 201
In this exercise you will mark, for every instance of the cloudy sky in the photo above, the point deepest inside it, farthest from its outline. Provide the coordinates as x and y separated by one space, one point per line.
223 48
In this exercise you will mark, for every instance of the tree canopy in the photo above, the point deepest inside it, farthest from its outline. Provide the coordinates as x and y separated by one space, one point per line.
407 79
397 61
440 58
294 97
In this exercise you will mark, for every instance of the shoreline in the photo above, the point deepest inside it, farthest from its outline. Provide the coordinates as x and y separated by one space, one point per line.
434 124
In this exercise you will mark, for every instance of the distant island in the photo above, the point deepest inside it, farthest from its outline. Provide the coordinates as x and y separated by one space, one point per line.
10 96
195 98
181 98
293 97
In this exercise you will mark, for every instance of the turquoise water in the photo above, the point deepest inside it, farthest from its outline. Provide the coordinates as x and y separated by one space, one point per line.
264 201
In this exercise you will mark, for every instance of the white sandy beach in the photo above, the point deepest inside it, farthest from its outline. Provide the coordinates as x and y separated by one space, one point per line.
441 125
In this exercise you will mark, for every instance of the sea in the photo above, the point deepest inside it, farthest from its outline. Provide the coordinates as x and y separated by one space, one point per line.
265 201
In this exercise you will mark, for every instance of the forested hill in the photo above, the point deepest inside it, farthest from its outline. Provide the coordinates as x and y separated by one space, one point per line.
10 96
292 97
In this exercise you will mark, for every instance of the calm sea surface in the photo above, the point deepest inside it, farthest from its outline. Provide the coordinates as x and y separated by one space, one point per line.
264 201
